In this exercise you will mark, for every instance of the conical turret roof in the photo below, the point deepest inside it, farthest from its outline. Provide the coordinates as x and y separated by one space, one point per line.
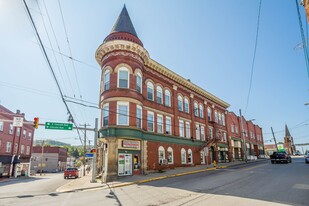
124 23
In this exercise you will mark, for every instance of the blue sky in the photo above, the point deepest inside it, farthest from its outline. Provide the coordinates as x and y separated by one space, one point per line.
210 42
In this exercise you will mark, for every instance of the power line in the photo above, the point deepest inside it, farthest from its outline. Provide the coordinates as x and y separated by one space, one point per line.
254 54
49 64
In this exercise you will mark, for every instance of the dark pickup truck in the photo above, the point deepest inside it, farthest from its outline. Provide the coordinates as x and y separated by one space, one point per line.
280 157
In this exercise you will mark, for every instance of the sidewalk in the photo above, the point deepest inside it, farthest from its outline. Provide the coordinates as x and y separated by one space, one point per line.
84 183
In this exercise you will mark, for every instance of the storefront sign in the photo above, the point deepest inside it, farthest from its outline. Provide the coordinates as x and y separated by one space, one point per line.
130 144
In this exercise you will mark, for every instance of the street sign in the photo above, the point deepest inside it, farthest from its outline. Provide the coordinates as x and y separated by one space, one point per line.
89 155
58 125
18 121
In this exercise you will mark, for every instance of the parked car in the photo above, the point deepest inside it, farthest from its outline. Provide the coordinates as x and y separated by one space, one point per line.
307 158
71 172
280 157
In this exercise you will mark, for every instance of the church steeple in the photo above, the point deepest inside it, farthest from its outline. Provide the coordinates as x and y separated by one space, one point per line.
287 132
123 29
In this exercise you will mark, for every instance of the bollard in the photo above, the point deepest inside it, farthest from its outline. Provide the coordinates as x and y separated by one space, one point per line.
215 163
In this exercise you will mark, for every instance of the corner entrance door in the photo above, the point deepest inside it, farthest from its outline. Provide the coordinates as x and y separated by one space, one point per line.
124 164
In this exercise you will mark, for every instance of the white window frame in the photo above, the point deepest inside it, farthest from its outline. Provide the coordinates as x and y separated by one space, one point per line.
150 90
211 133
159 95
224 137
223 119
106 86
201 111
8 147
105 114
139 84
197 132
28 150
196 109
120 114
188 130
203 133
139 119
161 154
170 151
22 149
180 102
1 126
15 148
18 131
160 124
202 157
181 128
168 125
183 156
209 114
11 129
186 103
190 155
167 98
150 121
216 116
29 135
24 133
123 69
232 128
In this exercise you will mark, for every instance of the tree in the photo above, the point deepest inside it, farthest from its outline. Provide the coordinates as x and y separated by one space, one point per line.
75 153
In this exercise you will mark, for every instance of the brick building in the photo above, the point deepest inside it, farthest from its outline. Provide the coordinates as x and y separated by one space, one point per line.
152 118
15 144
53 159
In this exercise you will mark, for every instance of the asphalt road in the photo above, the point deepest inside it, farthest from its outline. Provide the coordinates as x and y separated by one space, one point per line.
260 183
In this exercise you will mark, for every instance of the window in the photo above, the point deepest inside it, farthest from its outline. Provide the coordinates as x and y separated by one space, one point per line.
224 137
8 147
219 117
209 114
160 124
105 114
15 147
123 113
159 95
203 133
216 116
167 98
236 129
29 135
197 131
18 131
22 149
24 133
180 106
201 111
150 91
139 82
183 156
181 128
190 156
195 109
188 131
170 156
106 80
223 120
168 125
202 157
150 120
186 105
138 116
161 153
123 78
1 126
11 129
210 133
28 150
232 128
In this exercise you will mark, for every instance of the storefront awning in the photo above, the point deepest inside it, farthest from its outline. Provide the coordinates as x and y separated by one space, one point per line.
5 159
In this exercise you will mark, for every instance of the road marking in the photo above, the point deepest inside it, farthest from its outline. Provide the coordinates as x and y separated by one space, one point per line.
256 166
301 186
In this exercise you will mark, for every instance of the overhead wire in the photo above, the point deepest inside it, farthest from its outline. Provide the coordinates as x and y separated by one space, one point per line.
49 64
254 55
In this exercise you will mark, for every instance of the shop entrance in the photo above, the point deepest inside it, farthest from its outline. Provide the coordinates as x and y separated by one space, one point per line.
124 164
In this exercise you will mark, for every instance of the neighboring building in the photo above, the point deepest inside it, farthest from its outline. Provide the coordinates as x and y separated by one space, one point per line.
235 139
15 144
153 118
53 159
305 3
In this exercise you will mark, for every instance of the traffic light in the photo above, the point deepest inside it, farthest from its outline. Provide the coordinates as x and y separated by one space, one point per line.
36 122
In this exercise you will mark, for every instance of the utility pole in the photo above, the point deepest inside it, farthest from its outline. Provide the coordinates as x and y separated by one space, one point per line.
42 158
85 149
274 138
94 159
243 136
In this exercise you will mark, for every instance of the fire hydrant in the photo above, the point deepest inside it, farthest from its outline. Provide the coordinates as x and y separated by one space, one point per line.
215 163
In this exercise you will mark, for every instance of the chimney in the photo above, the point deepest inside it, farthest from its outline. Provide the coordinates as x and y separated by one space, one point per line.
17 111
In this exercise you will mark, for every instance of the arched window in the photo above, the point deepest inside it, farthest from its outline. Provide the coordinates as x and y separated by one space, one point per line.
202 157
167 98
201 111
139 82
161 153
180 103
150 91
106 80
159 95
123 78
183 156
190 156
186 105
195 109
170 156
209 114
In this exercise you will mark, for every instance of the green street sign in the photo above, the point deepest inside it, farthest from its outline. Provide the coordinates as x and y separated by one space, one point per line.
58 125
